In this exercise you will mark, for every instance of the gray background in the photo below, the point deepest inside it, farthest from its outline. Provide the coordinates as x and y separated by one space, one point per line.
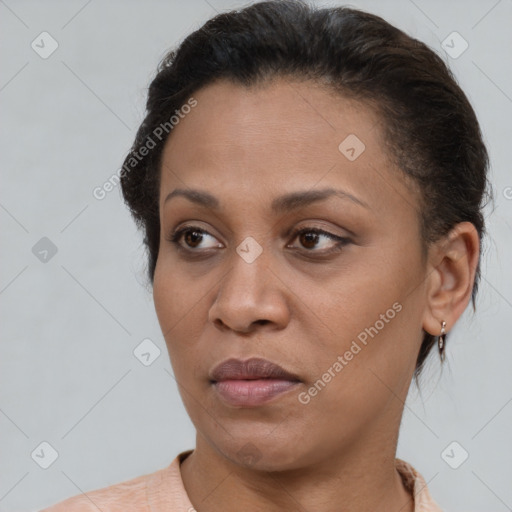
70 324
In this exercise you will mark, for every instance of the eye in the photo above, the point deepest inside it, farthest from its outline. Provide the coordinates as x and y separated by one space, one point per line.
315 238
310 238
193 236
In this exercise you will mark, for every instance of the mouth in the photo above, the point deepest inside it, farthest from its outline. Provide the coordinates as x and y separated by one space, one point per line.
251 383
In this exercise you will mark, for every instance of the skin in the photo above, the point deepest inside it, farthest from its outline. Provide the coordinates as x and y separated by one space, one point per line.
293 305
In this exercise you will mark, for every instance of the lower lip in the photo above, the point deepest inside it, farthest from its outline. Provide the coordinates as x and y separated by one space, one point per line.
247 393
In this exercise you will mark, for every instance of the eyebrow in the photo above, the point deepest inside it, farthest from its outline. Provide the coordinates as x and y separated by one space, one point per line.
281 204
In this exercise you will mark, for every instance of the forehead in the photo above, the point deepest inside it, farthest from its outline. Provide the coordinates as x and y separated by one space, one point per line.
282 135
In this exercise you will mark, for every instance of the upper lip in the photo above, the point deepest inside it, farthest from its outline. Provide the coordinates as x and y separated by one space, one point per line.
254 368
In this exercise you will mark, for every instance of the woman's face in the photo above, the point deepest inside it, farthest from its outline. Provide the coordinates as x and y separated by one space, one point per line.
341 309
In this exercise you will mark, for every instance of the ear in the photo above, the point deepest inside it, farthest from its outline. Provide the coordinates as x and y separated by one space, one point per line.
451 274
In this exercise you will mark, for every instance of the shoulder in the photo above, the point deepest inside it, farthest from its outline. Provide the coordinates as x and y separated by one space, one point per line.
127 496
416 485
159 491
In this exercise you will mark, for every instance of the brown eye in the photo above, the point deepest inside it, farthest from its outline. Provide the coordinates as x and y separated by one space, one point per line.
323 241
192 236
309 239
312 240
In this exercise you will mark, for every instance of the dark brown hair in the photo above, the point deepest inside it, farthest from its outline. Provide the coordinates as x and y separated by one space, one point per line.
431 130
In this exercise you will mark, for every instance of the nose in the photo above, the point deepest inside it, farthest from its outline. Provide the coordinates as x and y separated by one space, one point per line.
250 295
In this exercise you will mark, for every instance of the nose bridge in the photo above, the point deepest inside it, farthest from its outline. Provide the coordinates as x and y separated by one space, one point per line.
249 293
250 266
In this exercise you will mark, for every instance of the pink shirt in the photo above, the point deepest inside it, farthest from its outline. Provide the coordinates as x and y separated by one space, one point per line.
163 491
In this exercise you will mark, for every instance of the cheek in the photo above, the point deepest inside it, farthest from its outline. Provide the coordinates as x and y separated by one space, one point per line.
350 304
180 309
370 319
173 303
165 300
174 294
357 383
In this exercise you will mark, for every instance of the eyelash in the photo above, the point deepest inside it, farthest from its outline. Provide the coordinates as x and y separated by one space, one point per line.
342 241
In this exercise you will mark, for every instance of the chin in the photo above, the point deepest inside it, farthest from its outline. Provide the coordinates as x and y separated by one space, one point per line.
261 451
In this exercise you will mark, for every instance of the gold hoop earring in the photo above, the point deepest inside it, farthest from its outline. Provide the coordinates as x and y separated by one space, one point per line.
441 340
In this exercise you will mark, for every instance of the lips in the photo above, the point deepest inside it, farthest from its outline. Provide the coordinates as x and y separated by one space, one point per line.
252 369
251 383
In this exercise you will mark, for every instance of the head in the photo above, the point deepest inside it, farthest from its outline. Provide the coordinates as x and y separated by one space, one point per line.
253 122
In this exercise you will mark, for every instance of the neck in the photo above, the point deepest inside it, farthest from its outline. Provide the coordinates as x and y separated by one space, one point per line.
362 478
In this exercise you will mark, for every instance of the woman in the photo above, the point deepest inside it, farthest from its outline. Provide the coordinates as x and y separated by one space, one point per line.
314 226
